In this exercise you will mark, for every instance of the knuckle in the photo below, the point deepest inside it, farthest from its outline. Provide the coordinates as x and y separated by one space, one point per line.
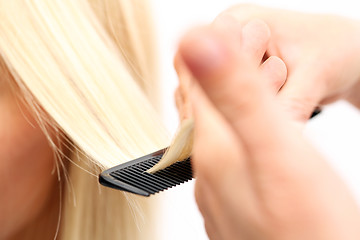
278 83
300 109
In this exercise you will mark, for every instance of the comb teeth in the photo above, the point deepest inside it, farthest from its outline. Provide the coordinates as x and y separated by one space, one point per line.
132 176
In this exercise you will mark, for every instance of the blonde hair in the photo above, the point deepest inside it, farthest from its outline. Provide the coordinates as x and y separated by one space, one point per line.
86 68
180 148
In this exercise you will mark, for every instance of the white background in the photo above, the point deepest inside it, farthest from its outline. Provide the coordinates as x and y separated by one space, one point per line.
336 132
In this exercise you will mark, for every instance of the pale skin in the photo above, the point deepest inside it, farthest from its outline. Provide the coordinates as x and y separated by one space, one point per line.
257 177
321 53
29 198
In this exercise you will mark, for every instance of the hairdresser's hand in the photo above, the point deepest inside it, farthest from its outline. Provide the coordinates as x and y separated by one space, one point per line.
321 52
256 177
273 69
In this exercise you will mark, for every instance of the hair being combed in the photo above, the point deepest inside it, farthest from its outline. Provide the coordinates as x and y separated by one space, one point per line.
86 68
180 148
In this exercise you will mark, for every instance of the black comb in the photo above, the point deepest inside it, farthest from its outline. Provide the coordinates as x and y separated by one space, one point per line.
132 176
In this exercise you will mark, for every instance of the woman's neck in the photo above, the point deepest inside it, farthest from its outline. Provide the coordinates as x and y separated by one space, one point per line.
47 222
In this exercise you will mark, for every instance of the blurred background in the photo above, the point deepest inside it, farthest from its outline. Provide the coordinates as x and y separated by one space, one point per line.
335 132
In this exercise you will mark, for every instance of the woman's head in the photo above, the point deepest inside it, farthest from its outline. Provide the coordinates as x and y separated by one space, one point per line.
27 163
80 70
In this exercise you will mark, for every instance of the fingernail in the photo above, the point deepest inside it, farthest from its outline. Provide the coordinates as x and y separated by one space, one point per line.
203 53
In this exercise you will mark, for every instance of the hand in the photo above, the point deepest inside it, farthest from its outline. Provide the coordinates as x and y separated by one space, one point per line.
257 178
273 68
321 52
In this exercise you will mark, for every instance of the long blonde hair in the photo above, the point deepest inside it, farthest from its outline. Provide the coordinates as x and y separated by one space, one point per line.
86 68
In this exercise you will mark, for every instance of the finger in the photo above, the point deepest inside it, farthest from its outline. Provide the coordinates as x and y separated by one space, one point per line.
241 124
274 70
255 39
217 151
202 195
248 110
183 104
211 231
301 94
215 223
178 62
219 159
297 97
244 11
228 24
232 82
179 102
182 92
